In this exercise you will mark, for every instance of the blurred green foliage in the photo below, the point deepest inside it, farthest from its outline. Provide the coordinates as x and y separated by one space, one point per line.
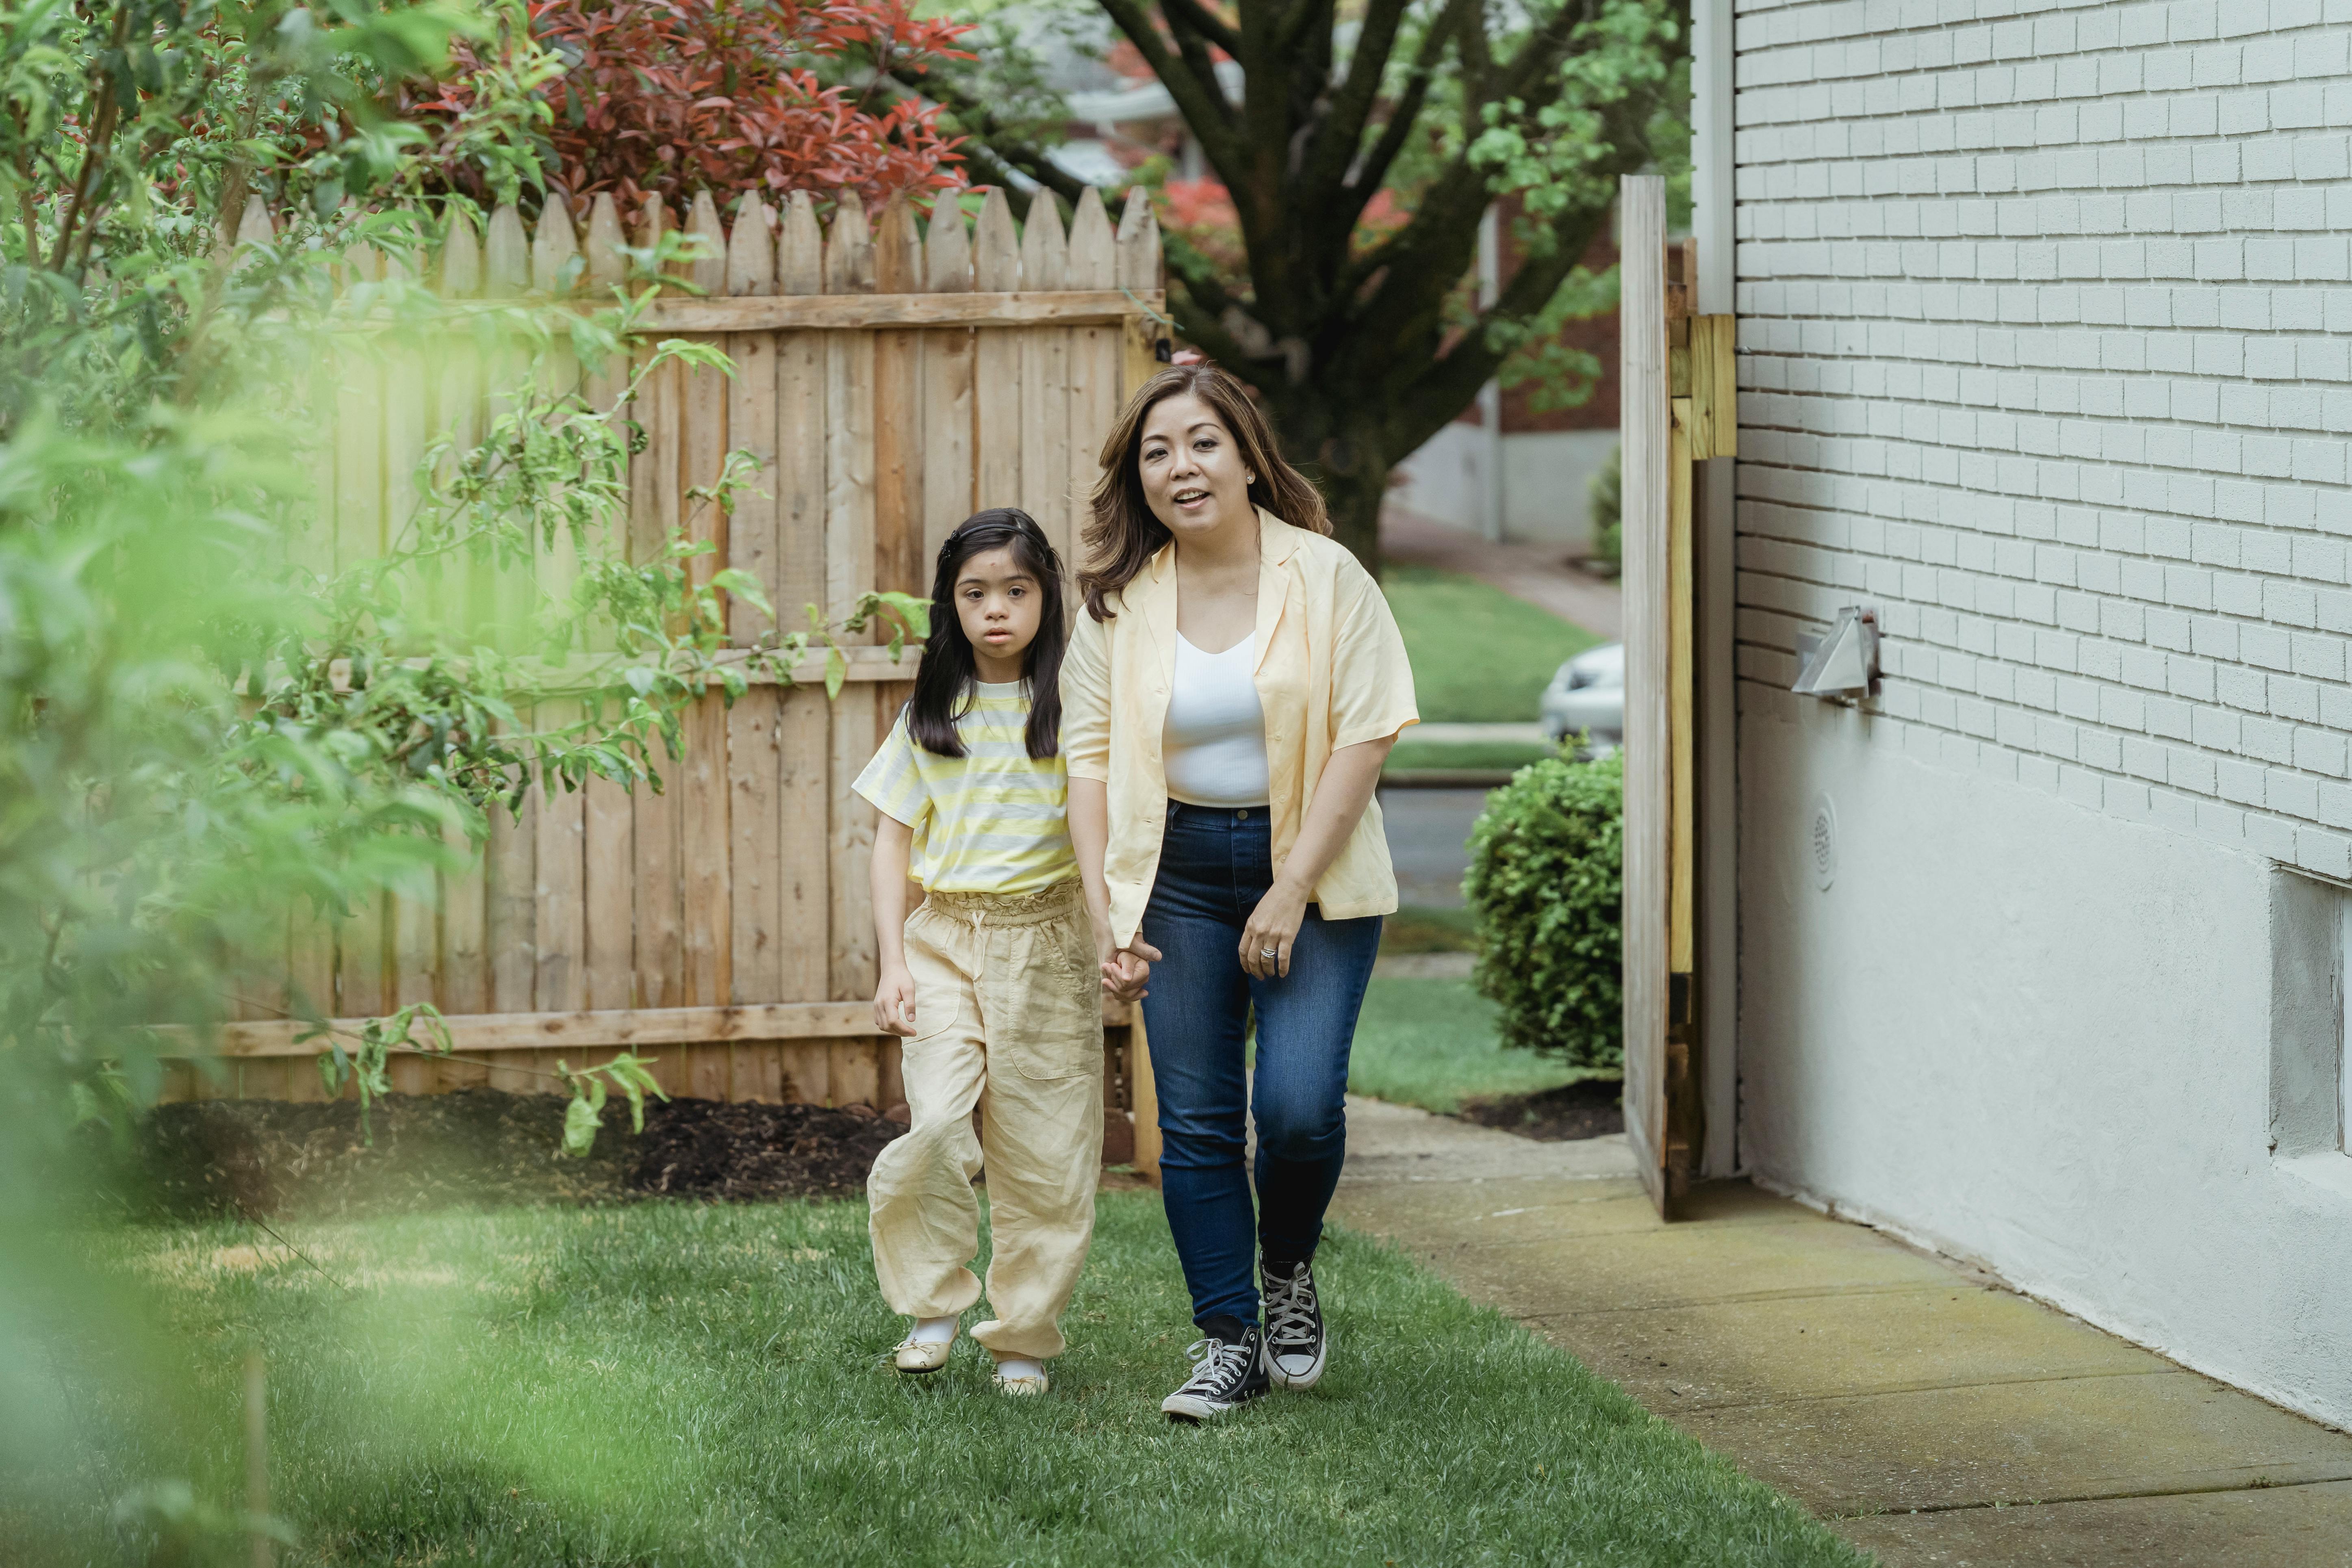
1606 491
216 731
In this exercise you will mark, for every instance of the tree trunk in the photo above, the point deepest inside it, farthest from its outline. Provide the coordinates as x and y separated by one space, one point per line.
1341 449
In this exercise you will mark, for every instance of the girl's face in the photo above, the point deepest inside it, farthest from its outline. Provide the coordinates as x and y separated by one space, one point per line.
1193 476
999 604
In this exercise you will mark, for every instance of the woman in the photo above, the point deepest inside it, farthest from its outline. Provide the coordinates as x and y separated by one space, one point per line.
1228 700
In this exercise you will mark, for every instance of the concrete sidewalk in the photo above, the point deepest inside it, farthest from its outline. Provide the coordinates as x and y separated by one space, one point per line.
1925 1411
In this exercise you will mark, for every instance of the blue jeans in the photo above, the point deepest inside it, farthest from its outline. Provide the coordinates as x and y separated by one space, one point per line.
1215 866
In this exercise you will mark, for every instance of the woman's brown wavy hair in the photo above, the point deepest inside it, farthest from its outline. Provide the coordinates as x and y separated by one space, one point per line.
1122 536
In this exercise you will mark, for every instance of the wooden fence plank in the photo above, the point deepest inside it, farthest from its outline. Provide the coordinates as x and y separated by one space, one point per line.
1005 309
360 976
705 908
527 1031
1644 374
706 846
1140 263
654 488
755 770
752 539
899 426
562 875
1094 368
849 569
513 921
947 387
799 425
996 369
1046 382
804 843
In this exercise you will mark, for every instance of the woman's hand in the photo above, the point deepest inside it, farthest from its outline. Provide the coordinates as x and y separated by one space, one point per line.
1125 970
1273 927
894 1002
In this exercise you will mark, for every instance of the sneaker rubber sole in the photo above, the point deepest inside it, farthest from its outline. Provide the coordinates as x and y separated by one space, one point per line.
1306 1379
1191 1409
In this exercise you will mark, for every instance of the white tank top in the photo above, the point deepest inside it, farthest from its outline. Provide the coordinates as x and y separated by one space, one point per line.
1214 742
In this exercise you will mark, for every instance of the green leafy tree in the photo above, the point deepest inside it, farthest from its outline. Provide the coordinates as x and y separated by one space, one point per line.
1360 152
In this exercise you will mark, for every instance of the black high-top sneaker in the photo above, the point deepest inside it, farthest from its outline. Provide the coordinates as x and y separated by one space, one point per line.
1226 1373
1295 1342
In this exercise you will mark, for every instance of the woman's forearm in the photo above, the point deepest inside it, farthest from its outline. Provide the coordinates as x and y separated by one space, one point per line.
1340 796
1089 839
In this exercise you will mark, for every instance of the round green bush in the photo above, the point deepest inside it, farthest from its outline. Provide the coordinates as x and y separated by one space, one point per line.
1547 868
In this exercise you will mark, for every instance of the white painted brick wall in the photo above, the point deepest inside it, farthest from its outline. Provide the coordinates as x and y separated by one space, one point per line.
2046 326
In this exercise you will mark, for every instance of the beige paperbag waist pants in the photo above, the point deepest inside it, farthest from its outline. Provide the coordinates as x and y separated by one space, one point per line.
1008 1018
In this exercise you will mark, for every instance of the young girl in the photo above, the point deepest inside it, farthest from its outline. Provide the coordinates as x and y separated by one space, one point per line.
993 981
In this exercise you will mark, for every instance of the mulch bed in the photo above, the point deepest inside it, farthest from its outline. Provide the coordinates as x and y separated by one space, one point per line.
1588 1108
480 1147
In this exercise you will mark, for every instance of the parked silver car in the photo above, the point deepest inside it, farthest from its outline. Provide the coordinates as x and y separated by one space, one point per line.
1588 693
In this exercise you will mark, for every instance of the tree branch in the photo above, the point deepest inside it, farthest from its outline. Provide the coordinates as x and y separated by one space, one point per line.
1422 408
1459 195
1342 135
1372 174
1202 20
1195 51
1201 103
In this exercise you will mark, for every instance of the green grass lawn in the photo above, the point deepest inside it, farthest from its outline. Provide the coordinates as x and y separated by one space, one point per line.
1431 1043
1479 656
1423 928
680 1384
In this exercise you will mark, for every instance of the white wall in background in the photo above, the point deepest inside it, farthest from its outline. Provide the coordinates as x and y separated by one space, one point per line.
2040 1036
1547 480
2046 332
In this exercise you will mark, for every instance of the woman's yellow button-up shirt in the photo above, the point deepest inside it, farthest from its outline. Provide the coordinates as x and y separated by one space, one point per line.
1331 672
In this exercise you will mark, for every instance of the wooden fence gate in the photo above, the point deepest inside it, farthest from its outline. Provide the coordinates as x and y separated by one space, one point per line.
890 383
1678 396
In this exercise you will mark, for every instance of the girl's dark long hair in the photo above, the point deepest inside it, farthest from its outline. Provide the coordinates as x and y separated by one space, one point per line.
944 685
1121 535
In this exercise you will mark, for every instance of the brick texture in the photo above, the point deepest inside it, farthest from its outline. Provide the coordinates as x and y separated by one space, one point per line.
2046 352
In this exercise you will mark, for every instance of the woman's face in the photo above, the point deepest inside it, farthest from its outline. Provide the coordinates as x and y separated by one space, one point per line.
1193 476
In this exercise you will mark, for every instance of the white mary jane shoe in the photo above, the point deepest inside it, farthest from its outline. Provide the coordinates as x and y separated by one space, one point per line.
1024 1386
922 1355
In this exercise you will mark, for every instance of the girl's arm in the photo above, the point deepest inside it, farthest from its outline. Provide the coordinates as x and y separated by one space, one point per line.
894 997
1124 970
1346 788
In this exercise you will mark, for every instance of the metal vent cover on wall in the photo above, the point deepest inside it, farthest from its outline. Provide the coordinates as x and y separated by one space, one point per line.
1822 849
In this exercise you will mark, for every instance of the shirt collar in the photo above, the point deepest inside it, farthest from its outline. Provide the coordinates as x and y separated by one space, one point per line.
1277 542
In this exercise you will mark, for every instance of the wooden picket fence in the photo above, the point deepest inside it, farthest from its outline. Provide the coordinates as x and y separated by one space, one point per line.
890 381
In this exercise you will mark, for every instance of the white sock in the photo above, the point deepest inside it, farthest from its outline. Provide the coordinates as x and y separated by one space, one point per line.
1014 1367
933 1331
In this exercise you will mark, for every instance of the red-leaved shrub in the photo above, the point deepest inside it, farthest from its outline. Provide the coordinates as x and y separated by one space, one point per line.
675 96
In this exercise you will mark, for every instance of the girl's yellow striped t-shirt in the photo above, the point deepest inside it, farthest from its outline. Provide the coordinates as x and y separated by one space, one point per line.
995 820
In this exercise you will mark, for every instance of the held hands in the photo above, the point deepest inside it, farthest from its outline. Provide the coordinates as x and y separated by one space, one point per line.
1125 968
1273 927
894 1002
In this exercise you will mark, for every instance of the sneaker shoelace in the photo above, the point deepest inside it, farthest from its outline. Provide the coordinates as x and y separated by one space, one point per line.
1290 1315
1217 1366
